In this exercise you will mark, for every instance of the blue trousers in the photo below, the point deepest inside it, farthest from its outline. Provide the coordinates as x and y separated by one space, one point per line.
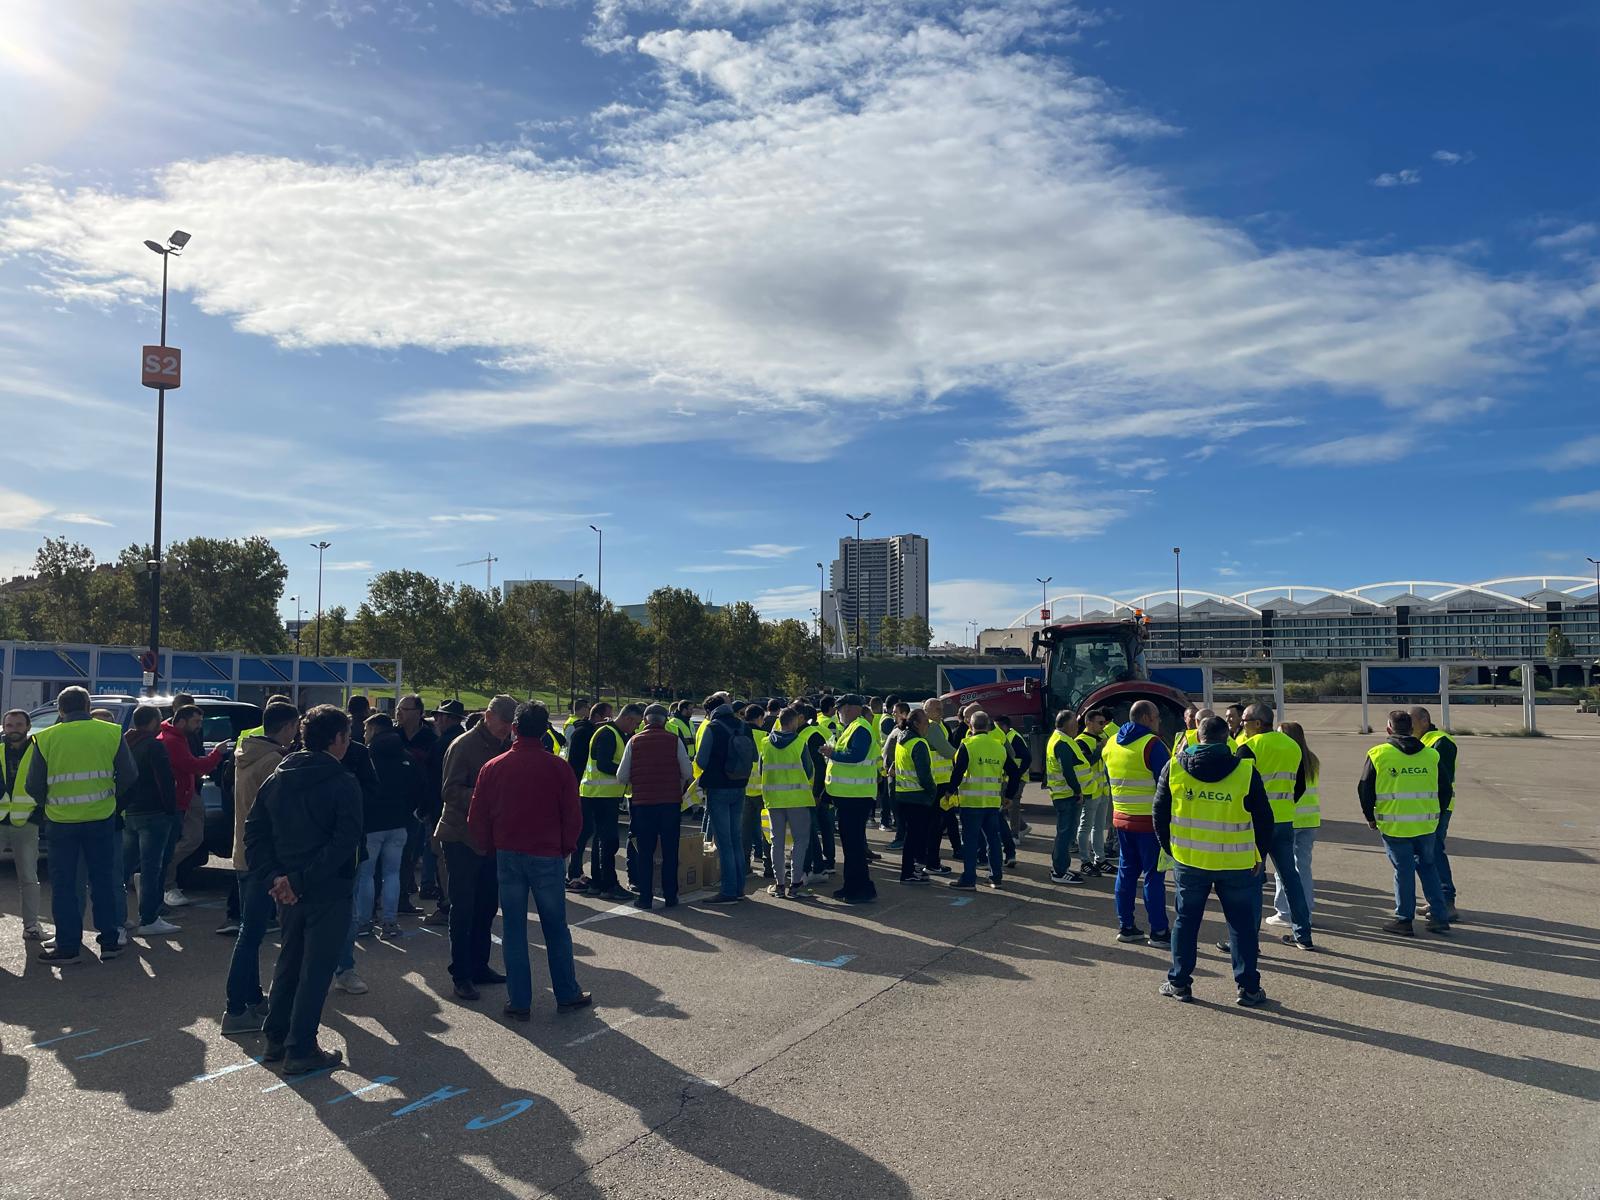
1281 849
145 840
1441 860
256 907
1412 859
1067 814
1239 893
543 878
725 808
980 827
94 841
1137 857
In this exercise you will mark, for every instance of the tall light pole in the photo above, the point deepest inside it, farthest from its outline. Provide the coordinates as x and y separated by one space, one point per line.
1596 562
175 245
972 624
572 702
1177 575
1044 596
295 600
857 590
319 547
599 599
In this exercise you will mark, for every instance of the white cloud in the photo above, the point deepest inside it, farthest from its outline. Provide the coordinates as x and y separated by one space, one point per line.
765 550
1453 158
1455 408
355 564
1357 450
1583 502
313 529
19 511
78 518
719 568
1570 238
1582 453
798 601
992 603
470 518
1405 178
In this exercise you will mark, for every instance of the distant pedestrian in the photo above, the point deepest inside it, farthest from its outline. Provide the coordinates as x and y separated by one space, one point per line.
726 757
753 843
1445 746
601 792
1212 816
21 819
976 779
1278 762
524 813
474 886
786 771
180 734
449 722
259 756
852 780
359 708
942 822
1067 775
300 839
1399 794
401 787
580 734
422 744
915 793
1133 760
1307 820
655 769
1094 823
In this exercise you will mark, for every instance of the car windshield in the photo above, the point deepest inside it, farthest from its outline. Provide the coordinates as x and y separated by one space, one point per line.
1084 665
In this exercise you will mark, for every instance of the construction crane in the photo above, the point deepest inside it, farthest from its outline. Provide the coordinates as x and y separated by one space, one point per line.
487 562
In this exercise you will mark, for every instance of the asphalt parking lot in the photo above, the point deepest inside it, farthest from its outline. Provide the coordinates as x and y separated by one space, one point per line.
937 1044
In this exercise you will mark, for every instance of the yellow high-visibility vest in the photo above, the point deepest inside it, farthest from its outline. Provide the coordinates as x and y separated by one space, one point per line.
1278 763
80 757
1407 789
1211 827
985 774
1054 780
852 780
597 784
16 806
1133 788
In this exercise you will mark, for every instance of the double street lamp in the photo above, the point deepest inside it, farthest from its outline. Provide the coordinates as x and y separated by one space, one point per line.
856 590
163 376
320 548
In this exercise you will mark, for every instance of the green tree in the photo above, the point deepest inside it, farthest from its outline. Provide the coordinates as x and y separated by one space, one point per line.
406 615
890 637
221 594
340 634
1557 644
682 637
916 633
739 658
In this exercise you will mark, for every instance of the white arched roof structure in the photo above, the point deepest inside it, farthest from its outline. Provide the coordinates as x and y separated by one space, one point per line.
1144 600
1289 589
1022 619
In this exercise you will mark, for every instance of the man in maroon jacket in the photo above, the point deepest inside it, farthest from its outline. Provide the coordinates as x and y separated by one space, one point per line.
656 768
177 736
525 812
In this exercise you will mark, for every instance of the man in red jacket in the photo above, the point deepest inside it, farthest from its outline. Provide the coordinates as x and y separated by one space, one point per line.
189 830
525 812
656 768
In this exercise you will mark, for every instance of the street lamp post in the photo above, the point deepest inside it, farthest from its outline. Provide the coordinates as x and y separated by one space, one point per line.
599 600
1044 596
822 593
572 701
320 548
857 590
1177 575
175 245
295 600
1596 564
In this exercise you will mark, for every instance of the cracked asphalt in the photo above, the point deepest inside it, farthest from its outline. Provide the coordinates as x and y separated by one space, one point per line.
937 1044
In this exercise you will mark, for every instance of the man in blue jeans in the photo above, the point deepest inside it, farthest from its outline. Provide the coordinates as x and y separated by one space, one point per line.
525 812
724 796
257 758
1213 817
149 814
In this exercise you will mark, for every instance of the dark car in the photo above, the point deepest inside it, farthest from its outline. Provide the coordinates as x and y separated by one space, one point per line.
225 720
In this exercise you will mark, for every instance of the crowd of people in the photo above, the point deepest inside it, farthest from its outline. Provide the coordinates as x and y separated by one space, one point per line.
343 816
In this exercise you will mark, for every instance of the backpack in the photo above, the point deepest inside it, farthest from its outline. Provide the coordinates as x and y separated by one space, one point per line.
741 757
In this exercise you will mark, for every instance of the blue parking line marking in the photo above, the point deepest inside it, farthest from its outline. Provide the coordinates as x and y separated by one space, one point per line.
256 1061
109 1049
379 1082
62 1038
299 1079
833 962
957 903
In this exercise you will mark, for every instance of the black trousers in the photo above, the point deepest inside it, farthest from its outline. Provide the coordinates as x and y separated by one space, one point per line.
474 899
853 811
820 854
314 933
600 814
653 825
575 863
915 820
942 823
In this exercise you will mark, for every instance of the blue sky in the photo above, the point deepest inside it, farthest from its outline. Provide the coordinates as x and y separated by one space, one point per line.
1311 294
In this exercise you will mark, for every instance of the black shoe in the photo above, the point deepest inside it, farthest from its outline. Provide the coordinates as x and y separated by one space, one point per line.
1433 927
317 1060
517 1014
439 916
1225 946
1175 992
406 908
1253 999
428 893
1069 877
719 898
1011 863
897 844
942 869
874 856
584 1000
1400 927
860 899
107 953
995 885
465 990
1289 939
1130 934
59 957
487 977
1161 940
669 902
229 927
642 903
273 1053
917 879
959 886
766 872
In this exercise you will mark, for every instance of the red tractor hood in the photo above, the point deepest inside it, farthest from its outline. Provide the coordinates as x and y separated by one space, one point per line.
1003 698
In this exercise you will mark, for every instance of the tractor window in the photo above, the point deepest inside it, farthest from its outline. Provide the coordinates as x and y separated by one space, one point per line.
1084 667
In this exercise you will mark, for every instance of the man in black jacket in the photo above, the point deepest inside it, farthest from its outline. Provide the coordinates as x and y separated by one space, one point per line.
150 811
301 838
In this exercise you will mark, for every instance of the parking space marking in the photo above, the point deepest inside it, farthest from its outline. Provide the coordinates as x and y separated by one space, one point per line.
589 1037
109 1049
299 1079
377 1082
833 962
244 1066
960 900
62 1038
626 910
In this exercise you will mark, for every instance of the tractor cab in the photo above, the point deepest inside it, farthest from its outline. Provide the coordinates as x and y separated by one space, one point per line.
1084 658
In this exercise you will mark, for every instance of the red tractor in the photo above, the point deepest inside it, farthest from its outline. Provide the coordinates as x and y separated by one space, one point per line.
1087 664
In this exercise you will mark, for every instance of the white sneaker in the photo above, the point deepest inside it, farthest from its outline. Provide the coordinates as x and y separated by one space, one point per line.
122 938
349 981
1278 921
175 898
157 928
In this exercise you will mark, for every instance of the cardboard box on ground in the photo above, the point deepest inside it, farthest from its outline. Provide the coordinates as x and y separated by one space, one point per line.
697 862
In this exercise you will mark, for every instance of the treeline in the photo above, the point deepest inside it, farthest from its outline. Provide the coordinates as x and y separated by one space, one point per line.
225 595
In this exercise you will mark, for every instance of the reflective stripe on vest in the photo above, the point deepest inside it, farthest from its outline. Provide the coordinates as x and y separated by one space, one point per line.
1308 809
1054 779
596 783
1133 788
80 757
905 763
16 806
852 779
1095 787
1277 758
985 774
752 786
1211 828
783 775
1431 739
1406 787
941 766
